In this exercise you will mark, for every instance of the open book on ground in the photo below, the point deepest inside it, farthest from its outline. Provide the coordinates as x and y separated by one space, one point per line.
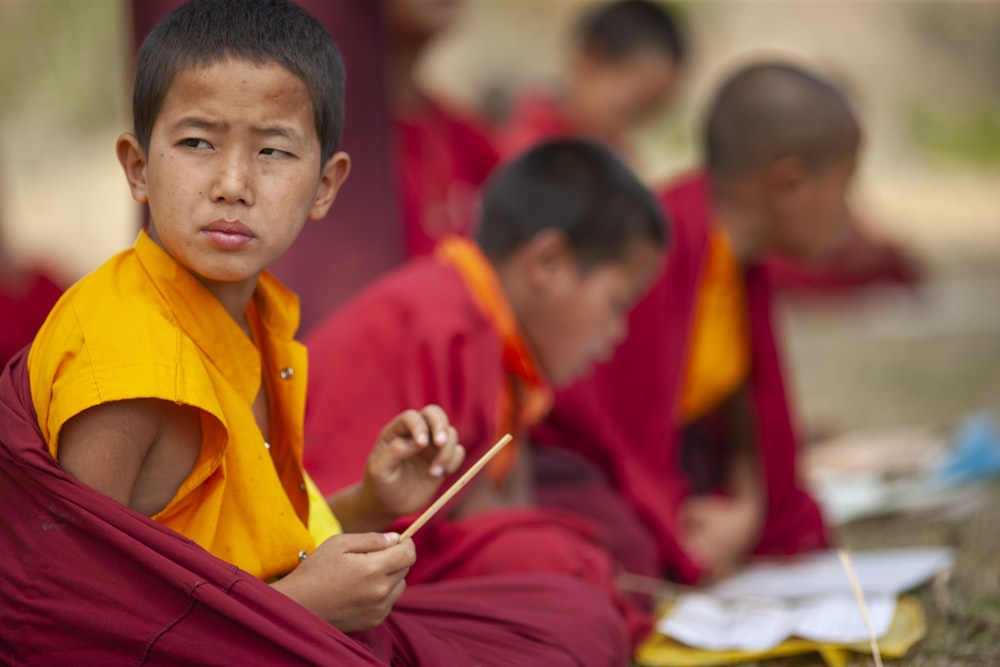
807 597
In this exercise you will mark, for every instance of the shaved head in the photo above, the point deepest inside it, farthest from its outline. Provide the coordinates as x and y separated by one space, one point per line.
770 111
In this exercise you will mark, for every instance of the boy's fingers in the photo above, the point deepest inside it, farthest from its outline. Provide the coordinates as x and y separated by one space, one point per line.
437 420
366 543
443 461
456 456
411 424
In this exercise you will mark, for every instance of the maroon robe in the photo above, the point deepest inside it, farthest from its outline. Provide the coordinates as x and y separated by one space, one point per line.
418 337
623 418
87 581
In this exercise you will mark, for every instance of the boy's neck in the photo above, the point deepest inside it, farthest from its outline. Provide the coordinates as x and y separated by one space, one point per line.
235 298
736 209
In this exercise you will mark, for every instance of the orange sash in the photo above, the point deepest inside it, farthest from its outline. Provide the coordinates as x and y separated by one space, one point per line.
718 359
525 398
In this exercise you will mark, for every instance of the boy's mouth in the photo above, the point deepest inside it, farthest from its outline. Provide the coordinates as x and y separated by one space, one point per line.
229 234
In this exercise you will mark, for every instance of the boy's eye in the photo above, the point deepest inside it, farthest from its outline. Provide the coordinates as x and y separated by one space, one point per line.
274 152
195 143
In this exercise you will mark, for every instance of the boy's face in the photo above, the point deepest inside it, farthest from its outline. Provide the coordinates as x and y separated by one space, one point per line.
618 95
810 217
580 317
233 169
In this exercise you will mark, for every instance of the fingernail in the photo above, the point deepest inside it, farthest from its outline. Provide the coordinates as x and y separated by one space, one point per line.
437 471
441 437
421 438
391 538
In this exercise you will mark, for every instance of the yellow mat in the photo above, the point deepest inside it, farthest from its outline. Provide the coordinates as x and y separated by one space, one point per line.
908 627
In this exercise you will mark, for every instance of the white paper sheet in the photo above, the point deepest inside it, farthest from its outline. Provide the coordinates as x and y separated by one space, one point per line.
888 572
808 597
708 622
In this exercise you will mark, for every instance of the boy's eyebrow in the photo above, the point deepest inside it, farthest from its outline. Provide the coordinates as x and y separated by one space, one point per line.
196 123
277 131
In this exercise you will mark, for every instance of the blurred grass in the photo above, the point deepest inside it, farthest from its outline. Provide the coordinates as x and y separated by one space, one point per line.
969 135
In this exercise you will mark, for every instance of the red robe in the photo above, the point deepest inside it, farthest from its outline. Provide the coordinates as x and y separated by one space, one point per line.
861 262
418 337
536 117
23 308
443 157
87 581
623 418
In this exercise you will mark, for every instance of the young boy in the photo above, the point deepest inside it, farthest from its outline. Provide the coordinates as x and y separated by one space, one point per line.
170 382
690 420
626 66
568 240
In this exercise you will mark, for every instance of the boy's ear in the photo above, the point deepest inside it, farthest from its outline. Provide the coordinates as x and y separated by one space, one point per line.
132 158
545 256
334 173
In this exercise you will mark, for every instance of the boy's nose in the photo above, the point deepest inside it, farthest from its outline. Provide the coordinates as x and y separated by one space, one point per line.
233 181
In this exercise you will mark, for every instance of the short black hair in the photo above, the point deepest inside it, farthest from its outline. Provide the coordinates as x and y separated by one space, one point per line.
770 110
620 28
204 32
577 187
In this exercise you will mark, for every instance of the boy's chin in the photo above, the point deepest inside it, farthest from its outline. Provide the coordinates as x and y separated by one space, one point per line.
567 376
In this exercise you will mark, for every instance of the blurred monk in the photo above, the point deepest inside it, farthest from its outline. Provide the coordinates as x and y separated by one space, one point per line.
625 67
443 154
569 239
690 420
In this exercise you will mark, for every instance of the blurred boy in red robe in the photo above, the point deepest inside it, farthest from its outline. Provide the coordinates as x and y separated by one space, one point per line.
690 420
625 67
568 240
443 154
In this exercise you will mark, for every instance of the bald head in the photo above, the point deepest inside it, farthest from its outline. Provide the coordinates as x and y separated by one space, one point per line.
770 111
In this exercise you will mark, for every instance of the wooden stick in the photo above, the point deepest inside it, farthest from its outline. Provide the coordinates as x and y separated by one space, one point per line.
859 595
455 488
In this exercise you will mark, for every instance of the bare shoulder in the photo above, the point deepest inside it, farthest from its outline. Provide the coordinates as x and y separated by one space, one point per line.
137 451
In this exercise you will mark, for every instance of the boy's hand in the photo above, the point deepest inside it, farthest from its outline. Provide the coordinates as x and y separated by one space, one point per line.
719 532
352 580
410 458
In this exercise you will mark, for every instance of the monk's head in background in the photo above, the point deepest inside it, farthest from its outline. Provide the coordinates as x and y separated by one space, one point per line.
575 239
418 21
238 107
625 67
781 147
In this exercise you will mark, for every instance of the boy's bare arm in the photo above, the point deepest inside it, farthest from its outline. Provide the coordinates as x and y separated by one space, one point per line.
137 452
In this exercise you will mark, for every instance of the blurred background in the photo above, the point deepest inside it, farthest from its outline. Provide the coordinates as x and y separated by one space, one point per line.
924 76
